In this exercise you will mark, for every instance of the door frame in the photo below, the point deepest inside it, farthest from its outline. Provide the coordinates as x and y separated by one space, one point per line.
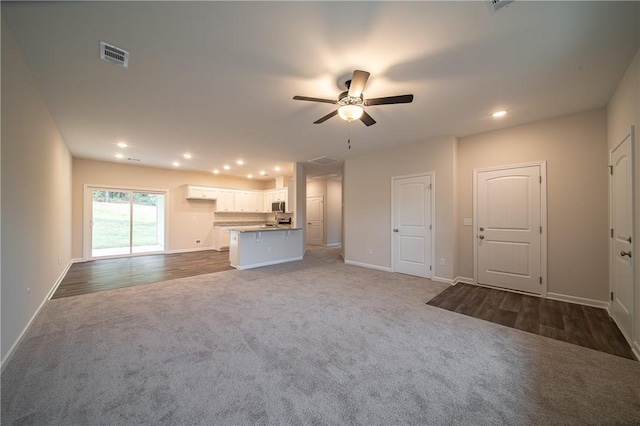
634 246
543 219
87 212
432 201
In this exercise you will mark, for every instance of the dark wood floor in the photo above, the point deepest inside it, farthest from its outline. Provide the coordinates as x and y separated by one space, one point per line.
581 325
108 274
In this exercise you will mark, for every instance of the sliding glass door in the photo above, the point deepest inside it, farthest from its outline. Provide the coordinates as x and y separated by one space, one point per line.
126 222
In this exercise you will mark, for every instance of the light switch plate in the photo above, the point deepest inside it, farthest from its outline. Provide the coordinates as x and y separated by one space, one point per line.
467 222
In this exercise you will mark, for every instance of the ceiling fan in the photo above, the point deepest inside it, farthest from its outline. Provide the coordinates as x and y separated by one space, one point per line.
351 103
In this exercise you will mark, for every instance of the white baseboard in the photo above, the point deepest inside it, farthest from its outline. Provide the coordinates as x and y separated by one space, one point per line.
190 250
271 262
59 280
578 300
367 265
56 284
442 280
334 245
464 280
635 348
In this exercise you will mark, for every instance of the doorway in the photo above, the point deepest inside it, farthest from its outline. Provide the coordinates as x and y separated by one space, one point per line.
412 224
124 222
622 231
509 205
315 220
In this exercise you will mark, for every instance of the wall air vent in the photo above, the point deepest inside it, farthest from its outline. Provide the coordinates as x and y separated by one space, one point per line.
323 160
114 54
496 5
133 159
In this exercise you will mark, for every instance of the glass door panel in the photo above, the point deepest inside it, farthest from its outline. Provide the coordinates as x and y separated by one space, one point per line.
111 218
148 222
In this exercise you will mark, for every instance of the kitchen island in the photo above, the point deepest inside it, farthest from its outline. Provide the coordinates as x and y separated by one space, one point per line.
261 246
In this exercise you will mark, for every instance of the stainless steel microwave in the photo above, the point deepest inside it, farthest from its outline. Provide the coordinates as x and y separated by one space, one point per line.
277 206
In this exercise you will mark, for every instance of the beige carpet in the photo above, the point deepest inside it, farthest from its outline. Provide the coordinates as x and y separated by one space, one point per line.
310 342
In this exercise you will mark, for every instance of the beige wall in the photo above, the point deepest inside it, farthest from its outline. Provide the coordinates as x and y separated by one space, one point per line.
334 212
188 220
575 150
36 197
331 191
367 201
622 113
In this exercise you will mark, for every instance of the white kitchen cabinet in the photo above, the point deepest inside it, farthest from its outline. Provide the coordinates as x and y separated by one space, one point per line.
234 200
248 201
268 199
225 201
221 238
280 195
200 193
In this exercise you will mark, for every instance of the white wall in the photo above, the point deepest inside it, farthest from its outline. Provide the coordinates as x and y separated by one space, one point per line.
622 113
575 149
367 201
36 198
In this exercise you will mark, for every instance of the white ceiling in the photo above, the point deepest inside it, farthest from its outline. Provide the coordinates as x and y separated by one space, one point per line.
217 79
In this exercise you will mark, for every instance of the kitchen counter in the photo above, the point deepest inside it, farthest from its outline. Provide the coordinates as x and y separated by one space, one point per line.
263 228
252 247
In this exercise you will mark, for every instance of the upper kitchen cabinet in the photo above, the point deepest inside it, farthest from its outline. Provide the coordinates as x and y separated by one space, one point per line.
201 193
248 201
226 200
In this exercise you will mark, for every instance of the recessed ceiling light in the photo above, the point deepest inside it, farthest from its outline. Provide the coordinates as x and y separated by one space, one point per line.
499 114
239 162
216 171
186 155
276 168
226 167
122 144
262 173
176 164
118 155
250 176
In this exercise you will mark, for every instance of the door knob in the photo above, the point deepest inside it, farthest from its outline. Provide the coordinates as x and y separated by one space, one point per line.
481 229
481 237
625 253
395 230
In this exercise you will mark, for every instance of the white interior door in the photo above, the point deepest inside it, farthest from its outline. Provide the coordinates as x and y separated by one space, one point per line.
315 220
622 232
411 225
509 228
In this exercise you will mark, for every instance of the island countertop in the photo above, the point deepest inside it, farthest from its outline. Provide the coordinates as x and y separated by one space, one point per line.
263 228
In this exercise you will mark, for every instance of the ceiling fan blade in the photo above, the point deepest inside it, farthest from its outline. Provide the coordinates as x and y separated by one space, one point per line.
306 98
358 81
326 117
402 99
367 119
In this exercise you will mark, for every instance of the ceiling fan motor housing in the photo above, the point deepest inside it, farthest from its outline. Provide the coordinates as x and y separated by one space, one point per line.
345 99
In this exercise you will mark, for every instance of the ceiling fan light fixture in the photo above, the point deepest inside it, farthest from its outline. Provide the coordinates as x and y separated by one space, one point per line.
350 112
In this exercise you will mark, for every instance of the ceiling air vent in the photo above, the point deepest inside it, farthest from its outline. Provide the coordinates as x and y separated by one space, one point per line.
114 54
323 160
496 5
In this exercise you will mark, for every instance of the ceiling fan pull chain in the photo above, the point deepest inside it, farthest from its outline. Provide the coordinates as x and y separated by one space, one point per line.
349 139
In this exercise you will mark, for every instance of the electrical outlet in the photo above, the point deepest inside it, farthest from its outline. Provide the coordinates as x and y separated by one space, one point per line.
467 222
442 261
269 249
58 260
198 241
370 251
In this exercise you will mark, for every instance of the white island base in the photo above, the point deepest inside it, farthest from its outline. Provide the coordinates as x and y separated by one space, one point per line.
255 247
